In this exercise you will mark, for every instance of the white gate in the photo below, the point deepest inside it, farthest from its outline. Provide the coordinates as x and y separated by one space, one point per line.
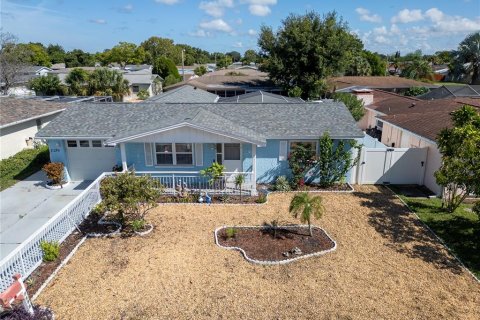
392 166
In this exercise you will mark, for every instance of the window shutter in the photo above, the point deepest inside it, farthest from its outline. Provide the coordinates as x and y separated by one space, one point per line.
282 154
199 154
148 154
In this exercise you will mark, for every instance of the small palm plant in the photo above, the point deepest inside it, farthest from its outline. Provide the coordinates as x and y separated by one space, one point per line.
239 181
305 206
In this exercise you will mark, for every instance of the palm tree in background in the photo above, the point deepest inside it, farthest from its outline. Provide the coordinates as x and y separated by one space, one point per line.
106 82
467 57
77 80
418 69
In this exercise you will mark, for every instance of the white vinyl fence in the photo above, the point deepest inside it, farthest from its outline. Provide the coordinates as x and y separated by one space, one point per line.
28 256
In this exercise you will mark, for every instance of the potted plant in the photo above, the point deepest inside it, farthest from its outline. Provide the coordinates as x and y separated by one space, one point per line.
56 173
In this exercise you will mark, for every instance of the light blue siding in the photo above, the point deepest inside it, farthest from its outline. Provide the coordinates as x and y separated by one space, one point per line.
268 165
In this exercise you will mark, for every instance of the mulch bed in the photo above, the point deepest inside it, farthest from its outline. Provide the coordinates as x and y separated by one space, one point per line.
216 199
260 244
41 274
312 187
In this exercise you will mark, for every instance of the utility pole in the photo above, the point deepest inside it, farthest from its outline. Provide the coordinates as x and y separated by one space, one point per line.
183 64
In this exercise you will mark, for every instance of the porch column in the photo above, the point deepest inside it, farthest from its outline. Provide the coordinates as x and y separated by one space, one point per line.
123 154
254 165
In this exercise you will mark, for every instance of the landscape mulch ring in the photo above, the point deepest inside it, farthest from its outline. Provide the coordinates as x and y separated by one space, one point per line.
262 244
386 266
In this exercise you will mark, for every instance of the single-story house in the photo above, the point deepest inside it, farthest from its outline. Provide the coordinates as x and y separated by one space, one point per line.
387 83
184 138
260 97
21 119
19 87
185 94
142 80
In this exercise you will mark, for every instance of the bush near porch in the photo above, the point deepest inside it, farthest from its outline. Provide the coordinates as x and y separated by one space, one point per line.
22 165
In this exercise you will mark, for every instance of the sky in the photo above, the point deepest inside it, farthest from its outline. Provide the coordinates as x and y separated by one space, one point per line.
384 26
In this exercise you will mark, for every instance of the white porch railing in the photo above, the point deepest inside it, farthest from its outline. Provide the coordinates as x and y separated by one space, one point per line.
28 255
173 181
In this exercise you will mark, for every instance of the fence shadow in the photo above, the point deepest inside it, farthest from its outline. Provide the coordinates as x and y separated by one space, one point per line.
406 234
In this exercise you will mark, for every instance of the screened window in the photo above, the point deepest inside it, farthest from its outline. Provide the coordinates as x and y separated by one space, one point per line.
164 153
72 143
184 153
84 143
309 145
232 151
219 153
96 143
135 89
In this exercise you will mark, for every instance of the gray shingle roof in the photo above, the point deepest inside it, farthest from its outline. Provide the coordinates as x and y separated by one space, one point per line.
259 97
16 110
452 91
184 94
248 122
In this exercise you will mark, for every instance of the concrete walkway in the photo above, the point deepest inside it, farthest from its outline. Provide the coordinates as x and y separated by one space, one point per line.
27 205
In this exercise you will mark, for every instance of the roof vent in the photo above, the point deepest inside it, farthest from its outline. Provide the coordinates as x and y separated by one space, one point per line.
188 118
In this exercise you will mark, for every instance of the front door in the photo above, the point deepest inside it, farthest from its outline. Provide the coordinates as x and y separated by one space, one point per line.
232 159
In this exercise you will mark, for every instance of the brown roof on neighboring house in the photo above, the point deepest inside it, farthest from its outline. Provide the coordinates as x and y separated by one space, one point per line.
387 82
17 110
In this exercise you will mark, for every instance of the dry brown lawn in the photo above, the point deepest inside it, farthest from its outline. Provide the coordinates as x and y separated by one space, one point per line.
386 266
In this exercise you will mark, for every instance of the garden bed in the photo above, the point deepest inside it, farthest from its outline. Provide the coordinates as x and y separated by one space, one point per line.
288 243
216 199
41 274
311 187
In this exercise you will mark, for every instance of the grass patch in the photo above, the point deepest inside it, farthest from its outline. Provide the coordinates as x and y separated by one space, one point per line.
22 165
460 230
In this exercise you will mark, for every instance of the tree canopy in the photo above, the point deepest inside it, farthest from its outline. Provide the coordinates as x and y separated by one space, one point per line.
165 67
107 82
467 57
307 48
48 85
354 105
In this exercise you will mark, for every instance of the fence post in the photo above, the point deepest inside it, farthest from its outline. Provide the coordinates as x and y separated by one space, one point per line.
173 185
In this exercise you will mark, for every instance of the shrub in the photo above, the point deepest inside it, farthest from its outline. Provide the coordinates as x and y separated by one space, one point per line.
230 232
55 172
143 94
262 198
137 224
300 160
131 197
214 172
476 208
50 249
200 70
99 209
354 105
415 91
282 184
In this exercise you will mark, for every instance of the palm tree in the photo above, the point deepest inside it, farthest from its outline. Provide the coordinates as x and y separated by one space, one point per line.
467 57
77 79
106 82
305 206
239 181
418 69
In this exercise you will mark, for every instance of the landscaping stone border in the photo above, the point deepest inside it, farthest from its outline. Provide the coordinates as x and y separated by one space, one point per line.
144 233
274 262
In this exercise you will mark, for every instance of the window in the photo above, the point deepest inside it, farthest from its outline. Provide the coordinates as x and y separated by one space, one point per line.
164 153
72 143
84 143
96 143
135 89
184 153
219 153
309 145
232 151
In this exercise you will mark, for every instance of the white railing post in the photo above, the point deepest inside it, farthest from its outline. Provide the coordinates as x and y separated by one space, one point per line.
173 184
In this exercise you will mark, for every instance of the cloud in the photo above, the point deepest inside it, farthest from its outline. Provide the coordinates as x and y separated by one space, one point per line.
167 2
215 8
252 32
365 15
381 39
445 24
216 25
126 9
407 16
238 45
200 33
98 21
380 30
239 21
260 7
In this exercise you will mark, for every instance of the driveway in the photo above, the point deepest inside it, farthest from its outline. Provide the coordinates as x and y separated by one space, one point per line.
27 205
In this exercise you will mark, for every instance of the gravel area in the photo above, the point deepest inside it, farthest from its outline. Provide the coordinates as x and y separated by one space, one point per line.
386 266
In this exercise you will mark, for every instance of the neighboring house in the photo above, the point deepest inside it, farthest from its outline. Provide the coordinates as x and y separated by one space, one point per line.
28 73
187 137
451 92
138 67
260 97
142 80
408 122
185 94
387 83
229 83
21 119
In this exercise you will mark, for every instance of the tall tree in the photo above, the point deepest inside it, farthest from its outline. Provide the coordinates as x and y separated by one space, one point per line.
418 69
13 59
156 47
359 67
56 53
107 82
236 56
126 53
460 147
467 56
444 57
38 55
377 64
77 81
249 56
354 105
165 67
79 58
307 48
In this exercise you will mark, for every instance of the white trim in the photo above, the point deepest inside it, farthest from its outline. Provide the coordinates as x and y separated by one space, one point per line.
174 155
123 154
283 150
180 125
198 154
147 163
31 118
254 164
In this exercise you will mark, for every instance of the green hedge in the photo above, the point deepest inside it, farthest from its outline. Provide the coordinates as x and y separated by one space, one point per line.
22 165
